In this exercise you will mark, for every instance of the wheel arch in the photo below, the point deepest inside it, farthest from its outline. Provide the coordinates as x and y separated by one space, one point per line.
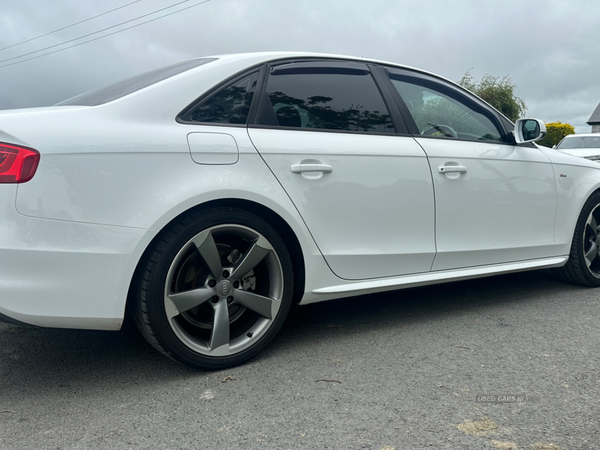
274 219
580 206
576 270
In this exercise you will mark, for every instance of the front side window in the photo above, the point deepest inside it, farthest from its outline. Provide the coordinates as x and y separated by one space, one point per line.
327 98
230 105
439 115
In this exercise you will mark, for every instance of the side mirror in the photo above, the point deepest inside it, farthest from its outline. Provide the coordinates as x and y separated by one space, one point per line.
529 130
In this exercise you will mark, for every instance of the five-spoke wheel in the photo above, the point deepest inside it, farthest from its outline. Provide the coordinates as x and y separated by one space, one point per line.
216 289
590 242
583 266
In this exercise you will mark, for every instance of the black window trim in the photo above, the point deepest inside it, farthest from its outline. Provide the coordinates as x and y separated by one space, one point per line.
322 66
388 98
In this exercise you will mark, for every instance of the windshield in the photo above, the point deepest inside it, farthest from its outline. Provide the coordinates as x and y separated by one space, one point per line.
580 142
122 88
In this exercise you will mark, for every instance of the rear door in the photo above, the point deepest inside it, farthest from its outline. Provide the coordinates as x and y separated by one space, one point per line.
361 184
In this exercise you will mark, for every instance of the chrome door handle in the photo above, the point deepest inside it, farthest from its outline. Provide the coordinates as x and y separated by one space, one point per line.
302 168
452 169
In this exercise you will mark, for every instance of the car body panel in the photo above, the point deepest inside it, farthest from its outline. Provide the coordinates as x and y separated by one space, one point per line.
501 210
165 179
64 229
41 259
378 195
576 179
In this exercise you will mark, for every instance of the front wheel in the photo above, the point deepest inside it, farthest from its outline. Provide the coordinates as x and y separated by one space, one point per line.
215 289
583 266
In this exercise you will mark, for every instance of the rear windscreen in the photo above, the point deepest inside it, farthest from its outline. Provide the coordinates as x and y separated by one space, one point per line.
122 88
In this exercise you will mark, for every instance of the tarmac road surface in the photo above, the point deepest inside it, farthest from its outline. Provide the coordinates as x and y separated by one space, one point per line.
509 362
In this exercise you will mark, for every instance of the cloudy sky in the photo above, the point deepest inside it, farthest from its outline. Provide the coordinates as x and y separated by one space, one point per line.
550 49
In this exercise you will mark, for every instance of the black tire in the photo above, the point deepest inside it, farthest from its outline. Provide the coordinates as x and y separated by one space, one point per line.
583 266
215 288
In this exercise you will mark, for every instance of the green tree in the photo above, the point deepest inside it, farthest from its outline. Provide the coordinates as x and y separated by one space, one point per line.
555 132
498 92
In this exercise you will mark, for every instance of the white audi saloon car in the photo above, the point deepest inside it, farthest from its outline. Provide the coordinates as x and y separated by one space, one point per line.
208 197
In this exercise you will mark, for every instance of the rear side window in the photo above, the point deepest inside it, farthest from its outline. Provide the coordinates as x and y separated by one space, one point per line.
329 97
230 105
120 89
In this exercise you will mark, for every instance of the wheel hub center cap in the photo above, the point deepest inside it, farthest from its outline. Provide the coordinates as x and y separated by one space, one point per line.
224 288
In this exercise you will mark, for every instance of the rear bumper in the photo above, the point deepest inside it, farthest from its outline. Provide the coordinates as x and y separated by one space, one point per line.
64 274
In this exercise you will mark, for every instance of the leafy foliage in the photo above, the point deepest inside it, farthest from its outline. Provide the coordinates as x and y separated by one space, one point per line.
555 132
498 92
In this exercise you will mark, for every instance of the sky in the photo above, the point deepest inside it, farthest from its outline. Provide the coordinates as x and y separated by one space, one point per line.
550 49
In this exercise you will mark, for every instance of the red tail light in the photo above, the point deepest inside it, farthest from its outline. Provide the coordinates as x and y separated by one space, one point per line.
17 164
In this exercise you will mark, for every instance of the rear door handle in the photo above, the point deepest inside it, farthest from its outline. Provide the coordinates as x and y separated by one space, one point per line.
303 168
452 169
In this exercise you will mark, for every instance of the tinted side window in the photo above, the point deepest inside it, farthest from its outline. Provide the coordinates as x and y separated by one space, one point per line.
229 105
330 98
437 114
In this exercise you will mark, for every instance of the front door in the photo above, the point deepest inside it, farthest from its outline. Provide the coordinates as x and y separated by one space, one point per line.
495 201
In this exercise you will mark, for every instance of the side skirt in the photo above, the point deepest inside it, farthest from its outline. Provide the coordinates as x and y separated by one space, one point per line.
409 281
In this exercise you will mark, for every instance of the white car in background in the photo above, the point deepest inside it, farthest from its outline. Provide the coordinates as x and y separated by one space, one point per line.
582 145
209 196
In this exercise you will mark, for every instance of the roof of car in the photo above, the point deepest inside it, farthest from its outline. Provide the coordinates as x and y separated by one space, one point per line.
595 118
275 55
